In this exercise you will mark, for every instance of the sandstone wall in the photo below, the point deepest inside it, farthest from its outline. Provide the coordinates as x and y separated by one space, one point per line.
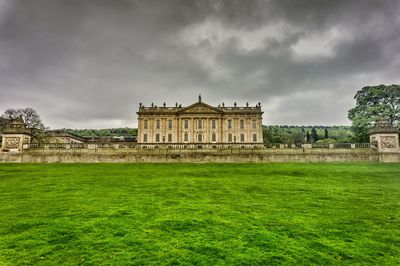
199 156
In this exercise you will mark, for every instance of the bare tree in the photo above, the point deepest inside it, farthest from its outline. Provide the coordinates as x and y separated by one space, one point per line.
3 123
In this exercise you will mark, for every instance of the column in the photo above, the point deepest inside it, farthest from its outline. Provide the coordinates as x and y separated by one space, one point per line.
139 131
151 130
192 134
207 130
177 131
221 130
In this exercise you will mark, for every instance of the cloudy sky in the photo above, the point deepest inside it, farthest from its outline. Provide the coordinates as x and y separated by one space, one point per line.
88 63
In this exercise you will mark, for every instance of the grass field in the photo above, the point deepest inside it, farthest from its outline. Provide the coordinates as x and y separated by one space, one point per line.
202 214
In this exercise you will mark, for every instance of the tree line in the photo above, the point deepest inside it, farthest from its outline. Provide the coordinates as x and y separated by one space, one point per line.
106 132
307 134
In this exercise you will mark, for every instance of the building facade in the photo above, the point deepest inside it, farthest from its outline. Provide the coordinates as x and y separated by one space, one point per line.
200 123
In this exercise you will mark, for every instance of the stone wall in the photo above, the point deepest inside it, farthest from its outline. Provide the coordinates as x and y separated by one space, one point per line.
199 156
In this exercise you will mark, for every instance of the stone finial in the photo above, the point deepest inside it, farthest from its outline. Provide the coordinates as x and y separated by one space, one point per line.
199 97
235 104
164 104
140 105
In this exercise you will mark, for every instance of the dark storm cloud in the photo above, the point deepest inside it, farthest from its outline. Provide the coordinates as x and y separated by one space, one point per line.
88 63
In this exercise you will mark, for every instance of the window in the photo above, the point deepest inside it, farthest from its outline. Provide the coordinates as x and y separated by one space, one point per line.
200 137
186 124
170 124
213 124
241 137
157 137
213 137
186 137
169 137
254 124
157 124
145 124
254 137
229 123
229 137
144 137
241 123
199 124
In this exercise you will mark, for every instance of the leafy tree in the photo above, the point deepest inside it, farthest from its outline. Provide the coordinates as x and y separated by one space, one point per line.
308 137
298 137
286 138
276 139
267 135
32 121
326 134
373 102
314 135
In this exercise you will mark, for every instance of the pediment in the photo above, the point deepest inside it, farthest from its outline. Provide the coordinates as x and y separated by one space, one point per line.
200 108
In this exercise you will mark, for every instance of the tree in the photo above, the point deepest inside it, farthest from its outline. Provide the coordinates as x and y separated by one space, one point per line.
286 138
32 121
3 123
326 134
373 102
267 135
314 135
298 137
277 139
308 137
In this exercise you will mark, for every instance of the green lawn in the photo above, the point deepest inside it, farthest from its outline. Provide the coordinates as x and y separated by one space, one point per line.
202 214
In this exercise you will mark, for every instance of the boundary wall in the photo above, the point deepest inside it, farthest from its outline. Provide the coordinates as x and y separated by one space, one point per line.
197 156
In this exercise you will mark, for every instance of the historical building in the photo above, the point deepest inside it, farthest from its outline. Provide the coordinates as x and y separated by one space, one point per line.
61 136
200 123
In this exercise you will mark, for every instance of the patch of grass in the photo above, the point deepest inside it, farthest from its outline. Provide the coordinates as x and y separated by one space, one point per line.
202 214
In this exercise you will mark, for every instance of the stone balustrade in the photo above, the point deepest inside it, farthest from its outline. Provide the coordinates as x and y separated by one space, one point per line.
195 146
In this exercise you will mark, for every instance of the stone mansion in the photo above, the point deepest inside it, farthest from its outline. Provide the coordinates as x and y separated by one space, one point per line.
200 123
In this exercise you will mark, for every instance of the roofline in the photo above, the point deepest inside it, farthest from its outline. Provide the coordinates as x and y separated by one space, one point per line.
200 103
